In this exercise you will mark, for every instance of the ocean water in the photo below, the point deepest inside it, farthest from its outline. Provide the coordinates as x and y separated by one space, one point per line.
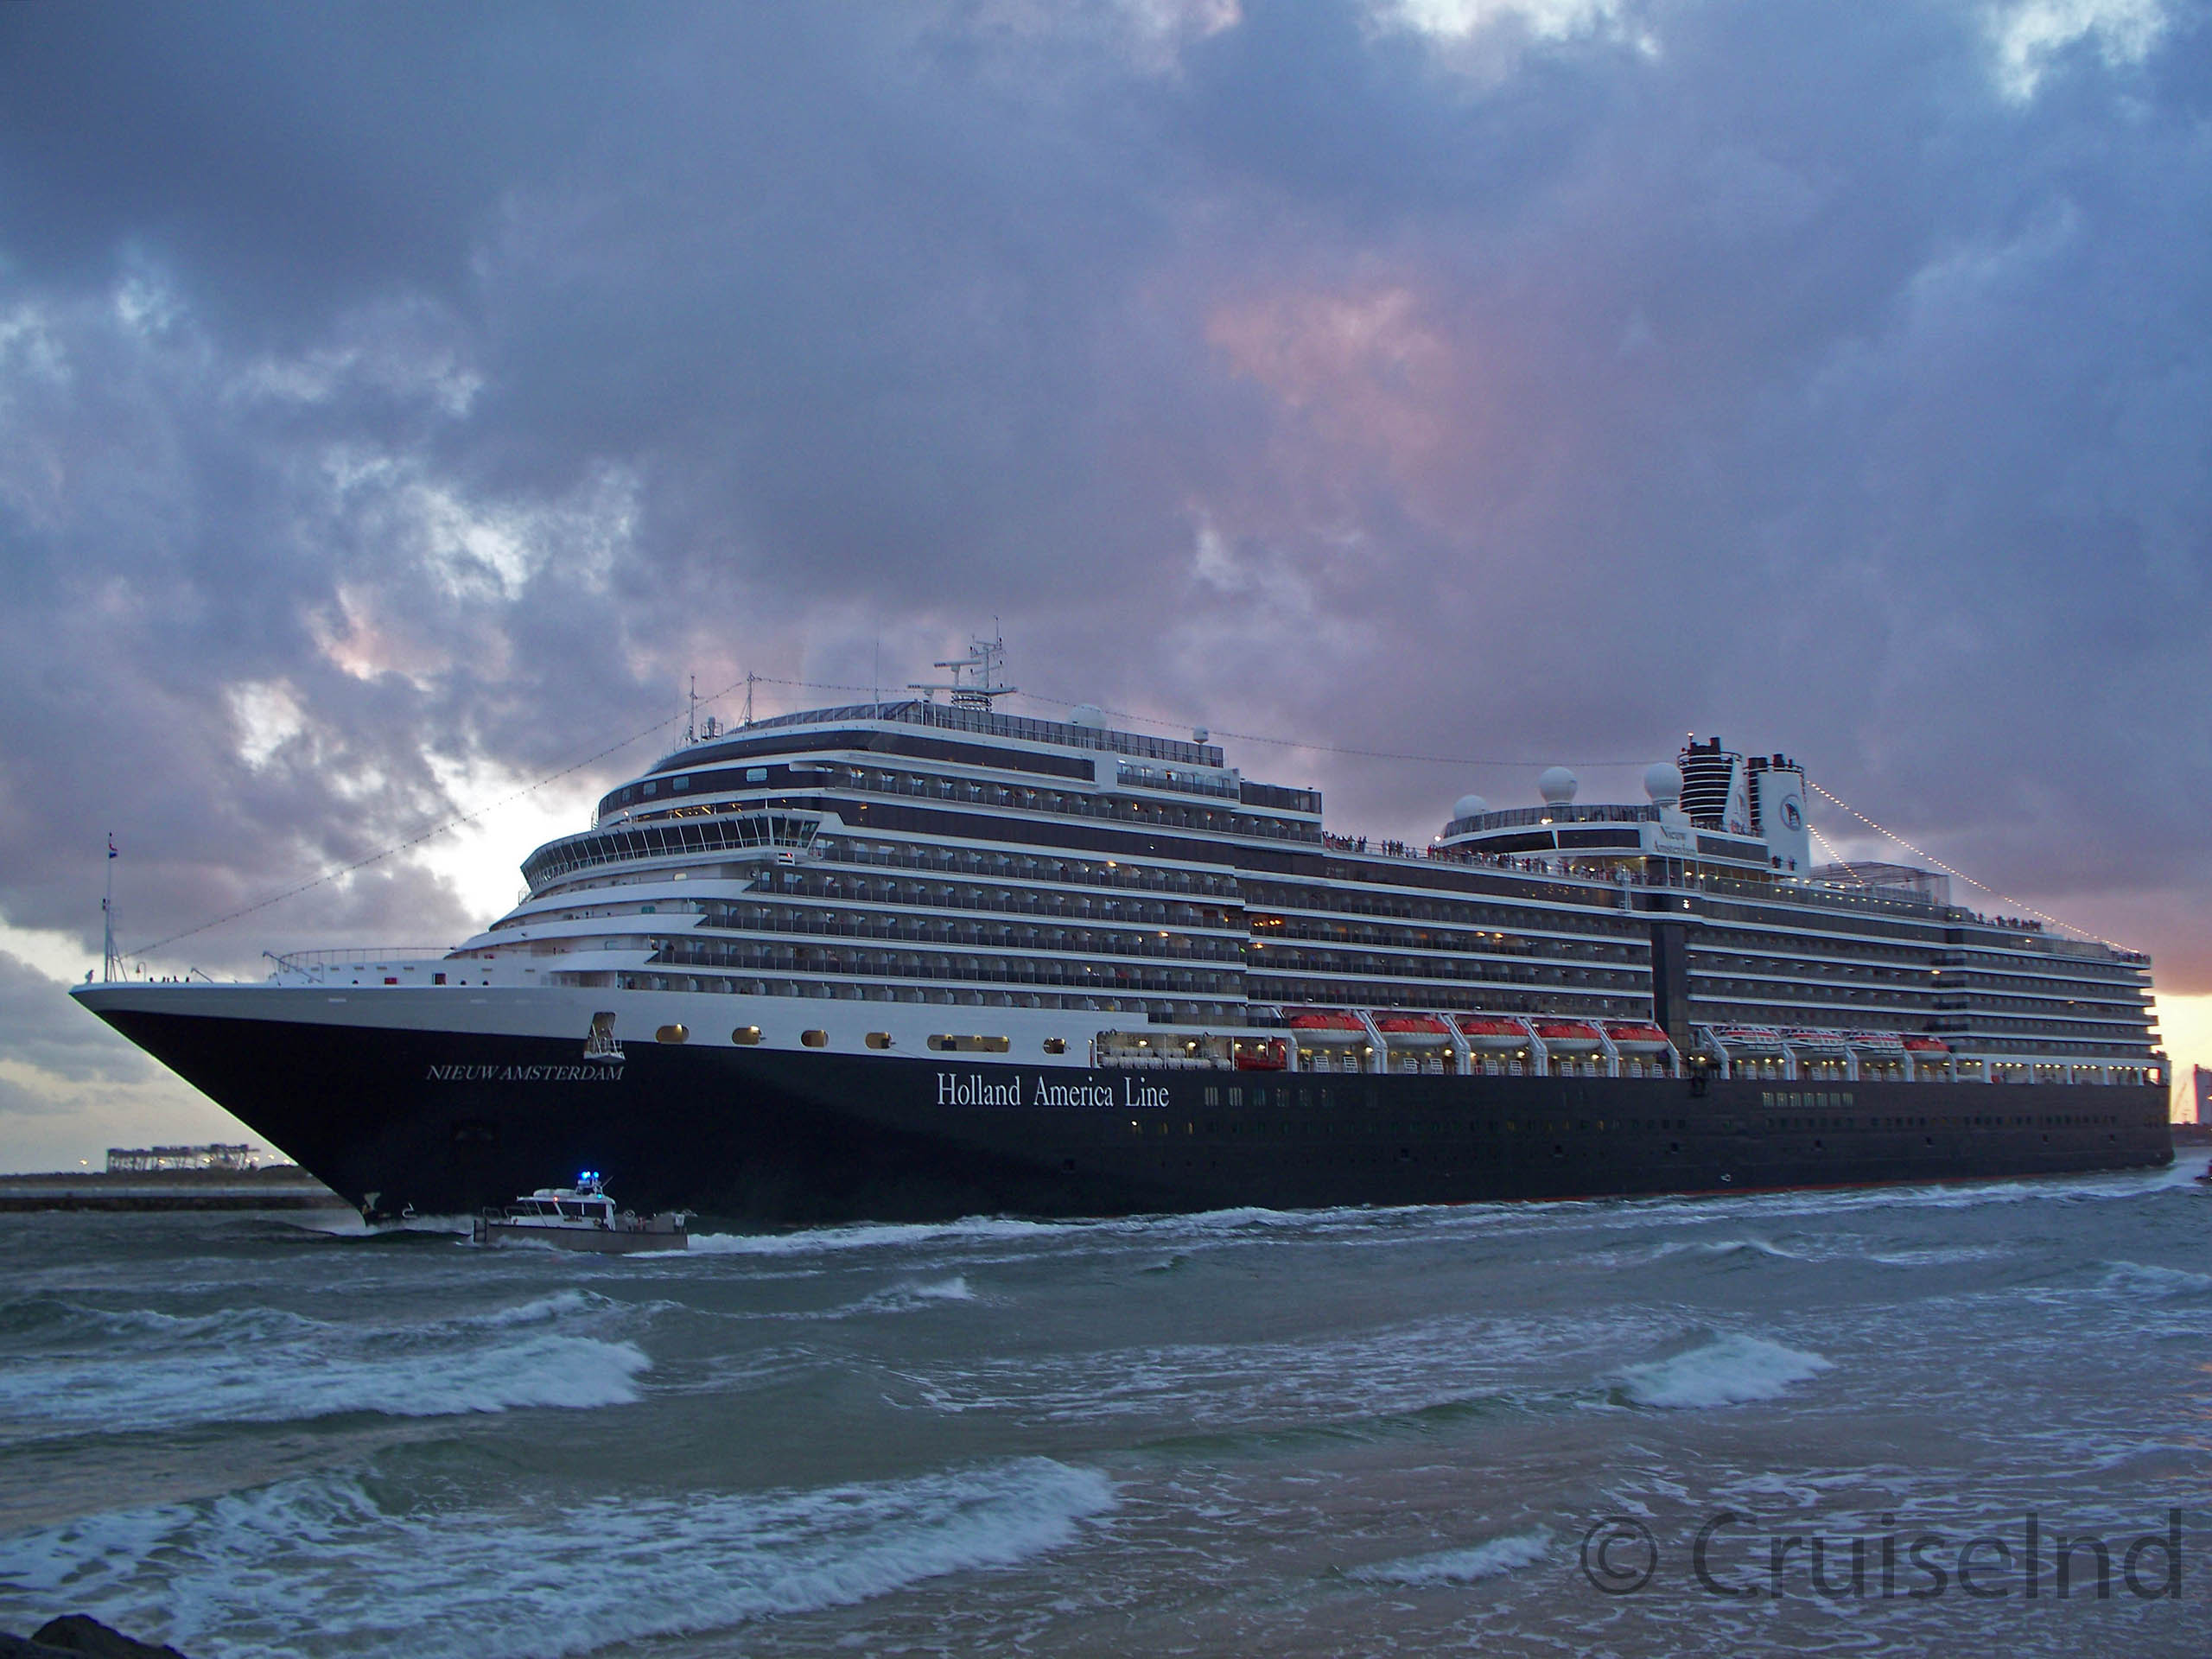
1346 1432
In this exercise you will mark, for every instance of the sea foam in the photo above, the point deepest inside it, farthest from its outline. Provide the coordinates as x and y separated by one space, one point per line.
1489 1560
1729 1371
323 1561
138 1369
890 1235
304 1381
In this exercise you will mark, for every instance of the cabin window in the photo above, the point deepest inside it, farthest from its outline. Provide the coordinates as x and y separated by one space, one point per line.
1056 1045
437 979
756 774
672 1034
650 788
879 1039
946 1044
815 1039
679 782
745 1036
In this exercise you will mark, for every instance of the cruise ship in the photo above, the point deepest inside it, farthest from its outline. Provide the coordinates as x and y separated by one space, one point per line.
919 958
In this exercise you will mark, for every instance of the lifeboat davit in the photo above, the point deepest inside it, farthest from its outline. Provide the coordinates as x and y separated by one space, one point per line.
1634 1037
1568 1036
1831 1042
1877 1042
1489 1032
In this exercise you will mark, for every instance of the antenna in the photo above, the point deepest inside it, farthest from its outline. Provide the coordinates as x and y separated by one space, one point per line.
111 963
749 678
691 726
974 680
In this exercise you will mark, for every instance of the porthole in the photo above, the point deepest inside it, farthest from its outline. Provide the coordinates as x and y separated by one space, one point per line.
672 1034
879 1039
815 1039
745 1036
1056 1045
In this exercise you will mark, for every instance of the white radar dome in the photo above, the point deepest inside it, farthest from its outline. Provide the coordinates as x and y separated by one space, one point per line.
1557 785
1088 714
1470 806
1663 782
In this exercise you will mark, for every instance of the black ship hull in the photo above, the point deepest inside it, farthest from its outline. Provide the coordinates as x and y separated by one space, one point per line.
444 1122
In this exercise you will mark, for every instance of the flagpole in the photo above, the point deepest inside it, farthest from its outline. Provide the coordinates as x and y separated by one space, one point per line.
107 912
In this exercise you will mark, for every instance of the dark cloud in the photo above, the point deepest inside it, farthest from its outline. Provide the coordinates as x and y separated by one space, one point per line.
40 1027
391 391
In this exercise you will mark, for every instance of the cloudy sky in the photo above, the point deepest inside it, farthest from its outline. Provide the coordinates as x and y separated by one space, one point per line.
399 405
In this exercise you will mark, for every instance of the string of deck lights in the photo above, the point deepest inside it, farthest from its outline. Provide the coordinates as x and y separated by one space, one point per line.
1219 731
431 834
876 692
1949 870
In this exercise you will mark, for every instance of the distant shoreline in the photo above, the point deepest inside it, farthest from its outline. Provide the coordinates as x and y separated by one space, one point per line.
286 1187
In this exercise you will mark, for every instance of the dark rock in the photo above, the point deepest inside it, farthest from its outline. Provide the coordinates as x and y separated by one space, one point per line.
74 1633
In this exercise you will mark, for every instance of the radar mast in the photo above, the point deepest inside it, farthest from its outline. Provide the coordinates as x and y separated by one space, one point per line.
974 680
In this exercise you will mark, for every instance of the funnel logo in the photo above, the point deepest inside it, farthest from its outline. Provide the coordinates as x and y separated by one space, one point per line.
1791 818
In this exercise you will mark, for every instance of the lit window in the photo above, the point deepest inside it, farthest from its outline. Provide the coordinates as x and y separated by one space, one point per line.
672 1033
745 1036
815 1039
879 1039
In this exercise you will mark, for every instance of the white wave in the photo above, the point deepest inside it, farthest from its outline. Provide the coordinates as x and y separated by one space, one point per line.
2143 1278
1483 1561
873 1236
1940 1256
298 1380
900 1298
224 1325
906 1298
554 1305
1721 1247
321 1564
1729 1371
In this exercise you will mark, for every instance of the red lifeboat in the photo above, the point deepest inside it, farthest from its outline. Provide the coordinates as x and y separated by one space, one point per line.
1756 1039
1926 1045
1489 1032
1568 1036
1411 1025
1635 1036
1266 1055
1323 1020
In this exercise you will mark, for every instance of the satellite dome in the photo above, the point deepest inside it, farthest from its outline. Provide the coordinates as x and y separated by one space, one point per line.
1470 806
1663 782
1088 714
1557 785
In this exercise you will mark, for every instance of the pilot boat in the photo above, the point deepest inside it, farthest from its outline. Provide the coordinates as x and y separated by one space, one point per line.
582 1218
